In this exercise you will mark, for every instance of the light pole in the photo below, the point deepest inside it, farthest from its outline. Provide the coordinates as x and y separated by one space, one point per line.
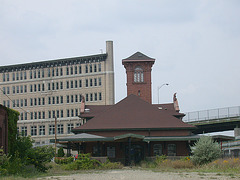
159 87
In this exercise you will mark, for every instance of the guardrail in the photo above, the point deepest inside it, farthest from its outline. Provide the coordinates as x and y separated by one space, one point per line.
212 114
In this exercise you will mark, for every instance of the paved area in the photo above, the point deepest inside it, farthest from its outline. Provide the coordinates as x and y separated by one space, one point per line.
142 175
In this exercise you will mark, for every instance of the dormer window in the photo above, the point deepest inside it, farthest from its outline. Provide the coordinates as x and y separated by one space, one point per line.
138 75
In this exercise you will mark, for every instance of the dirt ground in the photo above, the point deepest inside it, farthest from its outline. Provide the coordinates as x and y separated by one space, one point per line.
143 175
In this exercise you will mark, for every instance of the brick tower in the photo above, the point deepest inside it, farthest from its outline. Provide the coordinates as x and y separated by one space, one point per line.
138 68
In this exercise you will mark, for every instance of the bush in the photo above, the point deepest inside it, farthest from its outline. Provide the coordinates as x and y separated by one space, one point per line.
83 162
205 150
60 152
64 160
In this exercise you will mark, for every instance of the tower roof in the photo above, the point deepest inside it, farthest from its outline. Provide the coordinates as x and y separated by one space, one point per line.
138 56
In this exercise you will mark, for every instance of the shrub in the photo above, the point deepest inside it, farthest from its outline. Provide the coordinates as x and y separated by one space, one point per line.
205 150
83 162
64 160
60 152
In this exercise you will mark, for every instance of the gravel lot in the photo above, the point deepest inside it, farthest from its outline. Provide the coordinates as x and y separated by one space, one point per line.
142 175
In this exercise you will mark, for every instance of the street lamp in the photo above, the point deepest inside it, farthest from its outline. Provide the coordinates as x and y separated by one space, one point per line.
159 87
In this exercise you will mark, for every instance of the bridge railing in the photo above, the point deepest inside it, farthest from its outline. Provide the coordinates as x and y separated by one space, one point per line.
212 114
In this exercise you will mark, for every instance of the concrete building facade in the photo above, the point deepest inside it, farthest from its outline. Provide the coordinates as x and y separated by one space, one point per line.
43 90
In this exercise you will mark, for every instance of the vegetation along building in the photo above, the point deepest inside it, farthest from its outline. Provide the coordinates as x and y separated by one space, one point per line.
134 128
43 90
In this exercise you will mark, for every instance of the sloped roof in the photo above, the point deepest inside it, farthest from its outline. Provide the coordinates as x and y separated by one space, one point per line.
94 110
138 56
133 113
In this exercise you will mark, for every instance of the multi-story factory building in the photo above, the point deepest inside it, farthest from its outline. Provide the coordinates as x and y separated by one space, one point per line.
41 91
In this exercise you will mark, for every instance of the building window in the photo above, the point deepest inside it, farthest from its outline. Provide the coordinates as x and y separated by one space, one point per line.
35 87
57 99
33 130
61 71
99 81
30 74
80 83
91 83
80 69
86 68
17 89
157 149
31 114
42 130
13 76
86 97
86 82
172 150
51 129
95 96
61 113
57 72
76 84
61 85
25 115
53 72
75 69
43 114
25 88
21 114
91 97
39 115
49 100
57 85
138 75
76 112
99 67
4 78
25 102
49 72
49 114
95 81
67 98
67 85
70 126
39 74
24 130
100 96
95 68
67 71
72 113
53 86
61 99
35 115
43 87
43 73
60 129
71 68
21 76
90 68
35 74
76 98
13 89
68 113
71 84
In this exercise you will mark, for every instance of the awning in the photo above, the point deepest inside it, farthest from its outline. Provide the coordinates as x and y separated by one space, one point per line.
83 137
172 138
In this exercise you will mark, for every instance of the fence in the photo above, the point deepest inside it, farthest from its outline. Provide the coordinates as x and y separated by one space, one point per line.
212 114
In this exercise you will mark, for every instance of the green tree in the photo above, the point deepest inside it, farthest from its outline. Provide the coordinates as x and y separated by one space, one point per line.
60 152
205 150
12 129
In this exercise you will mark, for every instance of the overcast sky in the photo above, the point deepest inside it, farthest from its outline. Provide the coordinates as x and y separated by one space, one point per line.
196 44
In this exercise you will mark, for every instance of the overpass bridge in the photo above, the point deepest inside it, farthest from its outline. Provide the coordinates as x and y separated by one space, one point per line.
215 120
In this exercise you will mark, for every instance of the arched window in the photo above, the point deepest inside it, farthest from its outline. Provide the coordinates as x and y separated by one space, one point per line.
138 74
